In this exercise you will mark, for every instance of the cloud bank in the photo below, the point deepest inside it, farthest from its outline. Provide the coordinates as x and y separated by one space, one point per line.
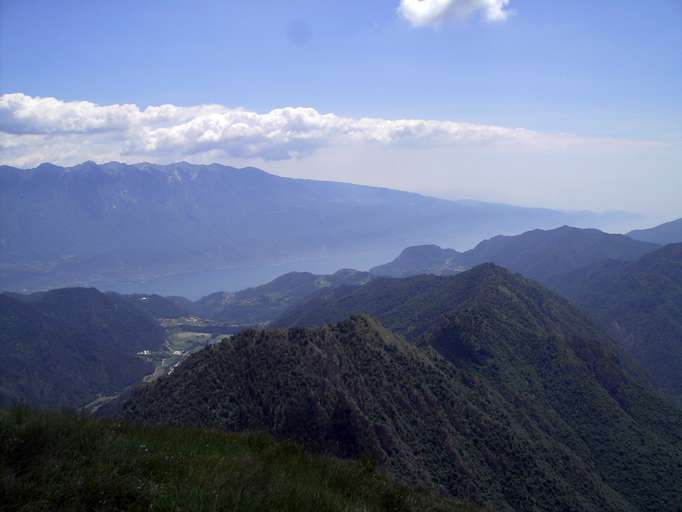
434 12
444 158
34 128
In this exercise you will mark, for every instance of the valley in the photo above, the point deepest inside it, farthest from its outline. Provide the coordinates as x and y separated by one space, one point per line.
184 337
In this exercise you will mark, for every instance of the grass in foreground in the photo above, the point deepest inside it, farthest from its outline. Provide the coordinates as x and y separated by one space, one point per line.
59 461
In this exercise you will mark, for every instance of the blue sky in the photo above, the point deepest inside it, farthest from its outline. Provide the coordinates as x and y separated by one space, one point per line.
606 69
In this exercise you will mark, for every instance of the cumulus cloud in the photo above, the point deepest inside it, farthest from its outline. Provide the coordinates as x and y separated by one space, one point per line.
33 128
434 12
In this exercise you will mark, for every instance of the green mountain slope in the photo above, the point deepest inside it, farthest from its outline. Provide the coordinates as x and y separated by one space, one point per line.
640 304
65 347
51 461
552 367
265 303
668 233
357 390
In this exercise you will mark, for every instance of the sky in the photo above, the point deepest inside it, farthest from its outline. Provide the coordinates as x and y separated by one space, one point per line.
563 104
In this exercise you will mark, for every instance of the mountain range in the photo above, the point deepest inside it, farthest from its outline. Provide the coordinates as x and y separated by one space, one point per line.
179 229
264 303
668 233
446 370
539 254
482 384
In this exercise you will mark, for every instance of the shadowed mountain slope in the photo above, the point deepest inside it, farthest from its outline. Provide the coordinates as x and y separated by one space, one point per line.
528 406
264 303
542 355
65 347
157 306
640 305
356 390
668 233
539 254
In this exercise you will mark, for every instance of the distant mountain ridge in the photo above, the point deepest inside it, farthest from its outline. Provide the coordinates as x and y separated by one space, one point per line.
539 254
264 303
173 228
668 233
421 259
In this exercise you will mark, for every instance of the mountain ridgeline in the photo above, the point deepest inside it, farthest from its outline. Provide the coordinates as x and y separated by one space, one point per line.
264 303
422 259
667 233
175 229
483 384
630 287
539 254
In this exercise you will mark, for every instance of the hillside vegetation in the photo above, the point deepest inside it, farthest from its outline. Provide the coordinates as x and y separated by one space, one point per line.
264 303
357 390
65 347
640 305
544 361
58 461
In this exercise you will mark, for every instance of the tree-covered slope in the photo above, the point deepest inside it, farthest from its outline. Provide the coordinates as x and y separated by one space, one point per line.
640 304
56 461
421 259
556 369
668 233
65 347
264 303
357 390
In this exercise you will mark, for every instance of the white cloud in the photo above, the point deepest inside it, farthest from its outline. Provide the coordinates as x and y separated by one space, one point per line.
30 126
445 158
434 12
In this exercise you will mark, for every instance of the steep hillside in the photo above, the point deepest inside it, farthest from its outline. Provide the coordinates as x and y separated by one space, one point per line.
265 303
184 229
640 304
668 233
421 259
51 461
65 347
552 367
357 390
